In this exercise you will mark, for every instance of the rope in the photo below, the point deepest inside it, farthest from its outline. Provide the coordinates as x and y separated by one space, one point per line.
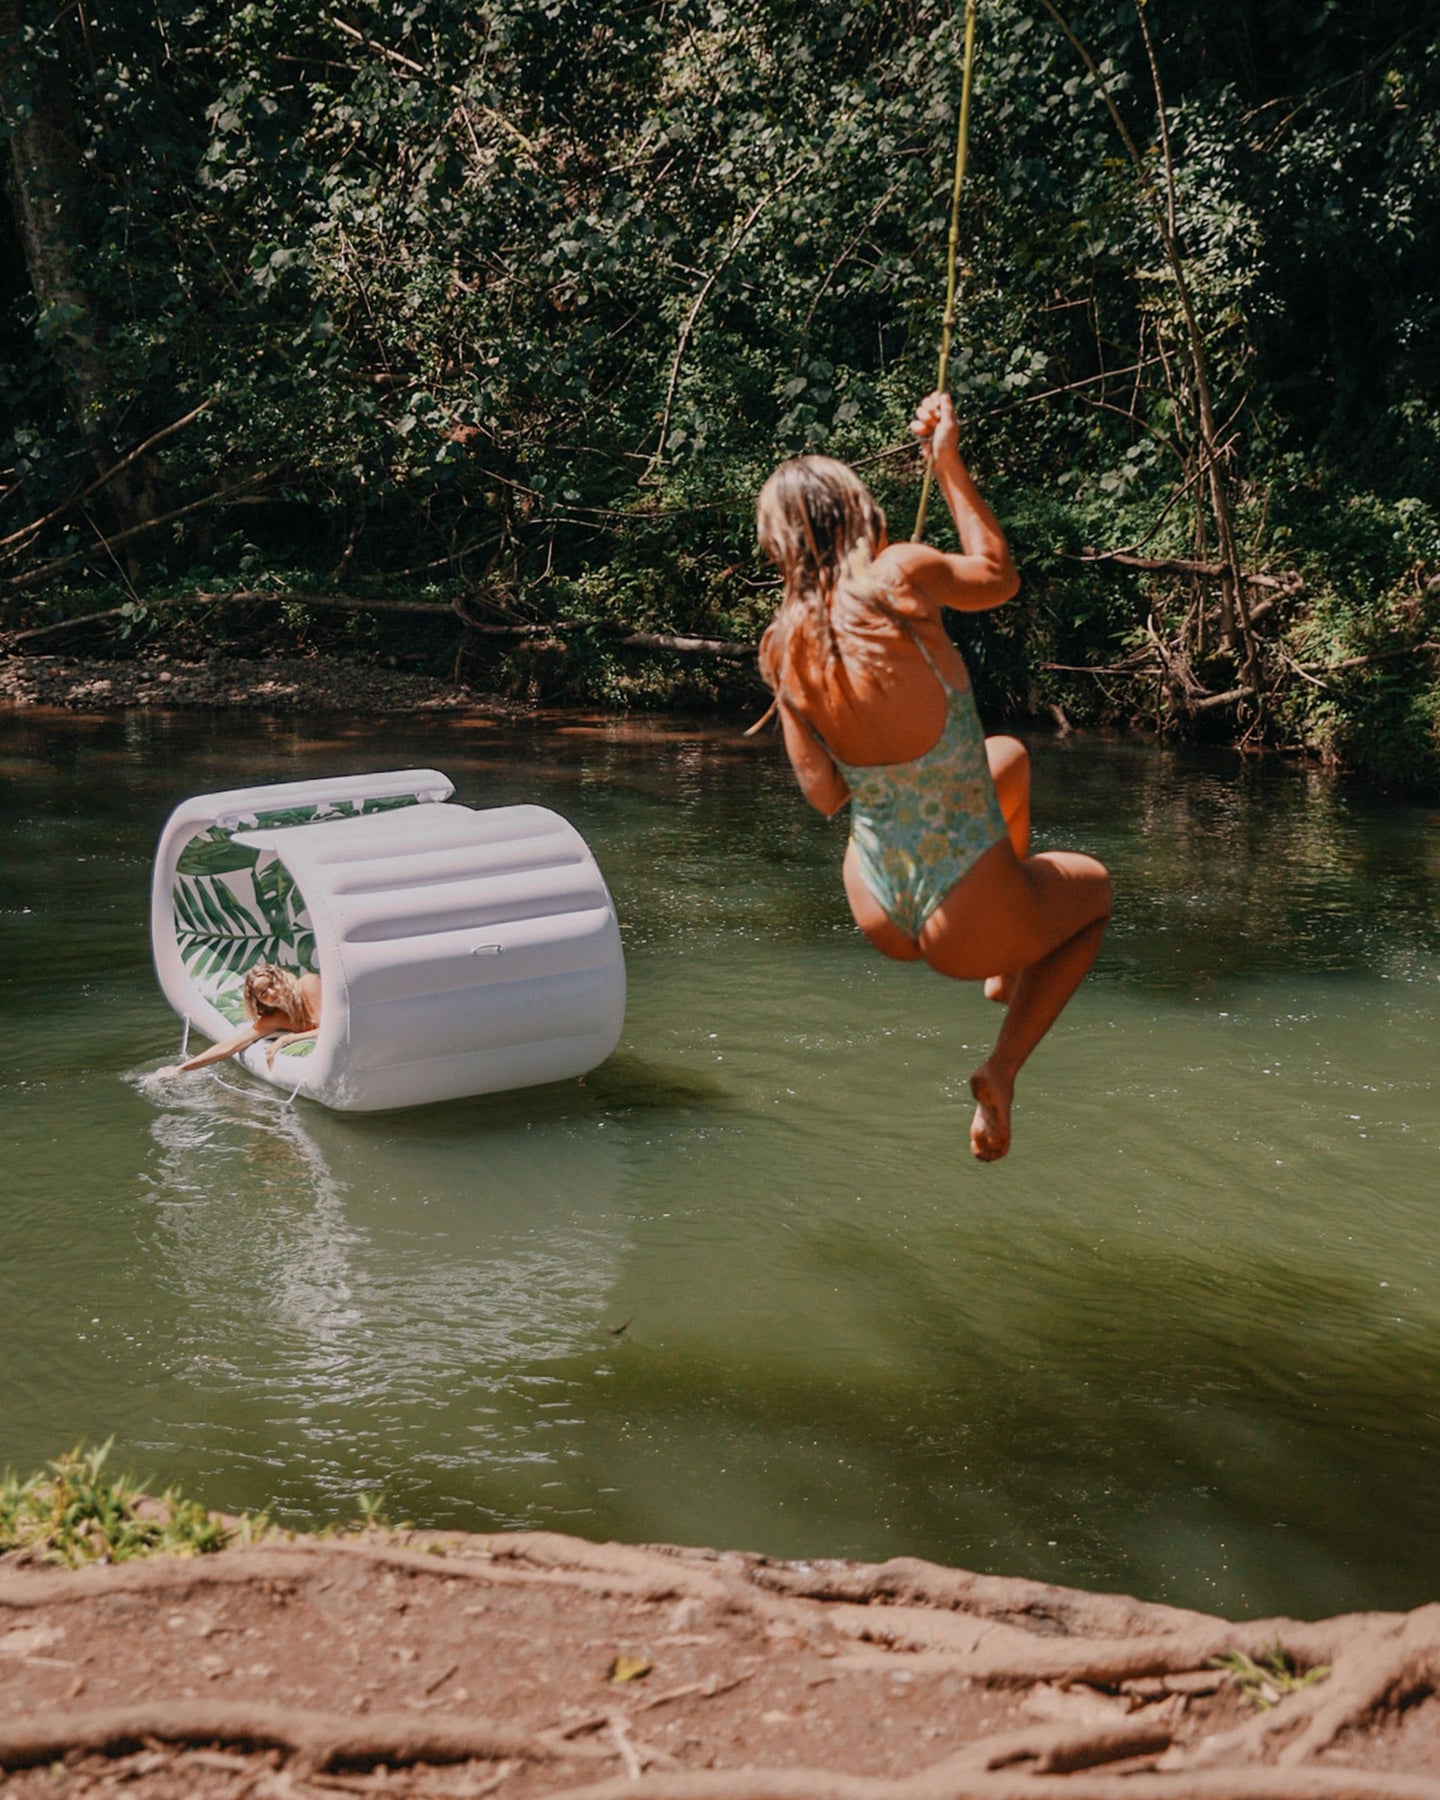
962 139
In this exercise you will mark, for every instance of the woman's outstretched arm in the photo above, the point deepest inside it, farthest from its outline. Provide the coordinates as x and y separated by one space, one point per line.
265 1026
289 1037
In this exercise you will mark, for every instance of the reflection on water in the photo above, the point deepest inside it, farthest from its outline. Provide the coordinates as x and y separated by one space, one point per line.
368 1277
742 1285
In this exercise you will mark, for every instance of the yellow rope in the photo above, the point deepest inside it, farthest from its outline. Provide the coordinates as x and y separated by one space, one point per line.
962 139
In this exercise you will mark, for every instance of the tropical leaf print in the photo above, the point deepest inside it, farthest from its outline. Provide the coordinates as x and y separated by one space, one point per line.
281 817
212 853
388 803
235 907
218 935
283 907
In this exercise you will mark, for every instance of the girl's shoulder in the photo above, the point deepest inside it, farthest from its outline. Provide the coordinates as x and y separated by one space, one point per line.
902 571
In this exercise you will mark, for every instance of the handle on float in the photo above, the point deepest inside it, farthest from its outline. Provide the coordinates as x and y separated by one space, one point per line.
962 139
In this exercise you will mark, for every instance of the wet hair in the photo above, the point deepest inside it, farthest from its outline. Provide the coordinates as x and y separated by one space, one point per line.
294 1006
822 528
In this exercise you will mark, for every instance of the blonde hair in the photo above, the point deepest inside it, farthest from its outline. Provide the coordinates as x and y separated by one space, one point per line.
822 528
294 1007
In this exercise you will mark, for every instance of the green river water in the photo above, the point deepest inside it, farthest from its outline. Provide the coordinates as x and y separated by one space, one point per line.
1185 1342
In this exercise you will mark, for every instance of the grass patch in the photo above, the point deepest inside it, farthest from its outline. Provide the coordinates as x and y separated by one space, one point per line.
1269 1680
75 1512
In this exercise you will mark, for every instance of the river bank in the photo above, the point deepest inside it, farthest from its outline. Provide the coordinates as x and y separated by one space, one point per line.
529 1665
290 684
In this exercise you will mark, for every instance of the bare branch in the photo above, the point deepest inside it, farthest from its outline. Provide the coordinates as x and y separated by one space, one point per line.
133 456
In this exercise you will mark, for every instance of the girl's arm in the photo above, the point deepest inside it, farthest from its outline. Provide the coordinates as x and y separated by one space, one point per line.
265 1026
820 781
984 575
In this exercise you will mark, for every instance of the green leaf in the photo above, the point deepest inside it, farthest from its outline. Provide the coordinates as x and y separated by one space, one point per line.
213 853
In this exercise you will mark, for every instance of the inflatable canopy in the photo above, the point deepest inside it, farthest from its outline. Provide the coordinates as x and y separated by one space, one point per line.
459 951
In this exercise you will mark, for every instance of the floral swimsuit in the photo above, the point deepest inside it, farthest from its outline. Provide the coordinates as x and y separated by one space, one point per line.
918 827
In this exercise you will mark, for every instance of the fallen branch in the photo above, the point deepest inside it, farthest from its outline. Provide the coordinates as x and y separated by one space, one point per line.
92 618
1230 698
1130 666
1183 565
727 648
236 596
687 646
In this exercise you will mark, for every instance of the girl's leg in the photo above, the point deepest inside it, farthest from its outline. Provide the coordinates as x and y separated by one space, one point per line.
1010 771
1040 994
1045 917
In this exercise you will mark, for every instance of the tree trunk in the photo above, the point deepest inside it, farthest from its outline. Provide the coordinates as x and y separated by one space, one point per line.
45 182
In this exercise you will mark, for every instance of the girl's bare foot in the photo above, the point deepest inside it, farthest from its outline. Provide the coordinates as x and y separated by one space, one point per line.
999 989
990 1128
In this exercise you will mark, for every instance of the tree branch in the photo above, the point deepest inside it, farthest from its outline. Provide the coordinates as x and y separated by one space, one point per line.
17 582
133 456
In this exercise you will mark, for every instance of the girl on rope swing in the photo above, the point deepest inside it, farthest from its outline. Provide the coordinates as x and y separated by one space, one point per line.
876 709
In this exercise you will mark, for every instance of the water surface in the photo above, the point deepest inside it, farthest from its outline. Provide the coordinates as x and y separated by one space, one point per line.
744 1284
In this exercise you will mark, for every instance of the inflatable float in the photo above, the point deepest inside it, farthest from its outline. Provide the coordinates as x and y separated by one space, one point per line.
460 951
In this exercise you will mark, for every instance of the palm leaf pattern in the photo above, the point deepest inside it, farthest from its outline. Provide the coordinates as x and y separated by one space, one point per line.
219 935
235 907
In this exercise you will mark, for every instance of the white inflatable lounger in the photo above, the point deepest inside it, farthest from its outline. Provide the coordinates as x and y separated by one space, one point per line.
459 951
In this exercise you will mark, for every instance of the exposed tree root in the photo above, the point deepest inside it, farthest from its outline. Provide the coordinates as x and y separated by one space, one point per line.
608 1574
1035 1605
1148 1732
1318 1783
317 1740
1388 1662
1055 1749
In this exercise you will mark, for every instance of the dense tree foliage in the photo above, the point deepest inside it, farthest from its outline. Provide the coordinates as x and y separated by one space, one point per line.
510 304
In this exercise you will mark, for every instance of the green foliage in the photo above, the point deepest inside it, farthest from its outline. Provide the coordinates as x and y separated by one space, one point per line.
1269 1680
523 298
77 1513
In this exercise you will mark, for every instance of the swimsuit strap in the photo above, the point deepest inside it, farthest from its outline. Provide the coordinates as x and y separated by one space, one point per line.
783 694
919 644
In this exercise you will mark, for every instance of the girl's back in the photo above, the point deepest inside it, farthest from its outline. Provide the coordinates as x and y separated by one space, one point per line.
874 698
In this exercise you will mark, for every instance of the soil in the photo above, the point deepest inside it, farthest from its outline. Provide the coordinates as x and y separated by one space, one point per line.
278 685
532 1665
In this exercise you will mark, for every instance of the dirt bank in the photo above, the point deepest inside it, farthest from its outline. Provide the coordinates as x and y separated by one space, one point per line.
536 1665
293 685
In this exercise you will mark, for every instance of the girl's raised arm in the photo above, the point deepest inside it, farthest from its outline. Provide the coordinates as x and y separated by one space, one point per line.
984 575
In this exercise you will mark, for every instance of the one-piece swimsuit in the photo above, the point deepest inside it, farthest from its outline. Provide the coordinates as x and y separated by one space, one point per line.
919 827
